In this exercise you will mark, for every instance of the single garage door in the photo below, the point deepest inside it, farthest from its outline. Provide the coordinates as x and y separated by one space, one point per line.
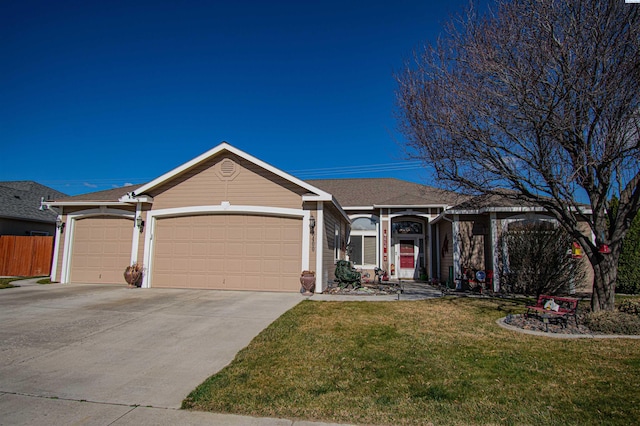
101 249
230 252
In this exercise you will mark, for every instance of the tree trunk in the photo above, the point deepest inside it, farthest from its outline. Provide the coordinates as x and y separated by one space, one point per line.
604 281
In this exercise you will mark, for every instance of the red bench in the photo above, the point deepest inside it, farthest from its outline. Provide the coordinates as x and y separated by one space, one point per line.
566 307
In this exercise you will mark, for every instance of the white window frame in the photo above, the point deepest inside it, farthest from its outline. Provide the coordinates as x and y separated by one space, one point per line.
337 242
369 233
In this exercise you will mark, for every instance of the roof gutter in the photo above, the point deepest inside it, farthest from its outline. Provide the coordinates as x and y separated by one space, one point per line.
83 203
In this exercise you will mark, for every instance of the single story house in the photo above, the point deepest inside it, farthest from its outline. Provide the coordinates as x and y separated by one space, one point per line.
20 209
227 220
224 220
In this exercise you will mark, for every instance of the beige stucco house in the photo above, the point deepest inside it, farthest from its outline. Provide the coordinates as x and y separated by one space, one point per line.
224 220
227 220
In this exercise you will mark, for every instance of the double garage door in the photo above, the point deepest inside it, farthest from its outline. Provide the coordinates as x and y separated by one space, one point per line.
233 252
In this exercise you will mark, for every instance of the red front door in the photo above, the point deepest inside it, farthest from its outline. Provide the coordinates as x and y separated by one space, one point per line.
407 254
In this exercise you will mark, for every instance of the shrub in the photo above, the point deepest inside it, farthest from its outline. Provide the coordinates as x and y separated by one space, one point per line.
613 322
631 307
628 280
534 259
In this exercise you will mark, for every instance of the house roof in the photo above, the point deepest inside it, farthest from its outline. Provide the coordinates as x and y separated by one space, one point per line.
21 200
494 201
385 192
316 193
108 195
504 201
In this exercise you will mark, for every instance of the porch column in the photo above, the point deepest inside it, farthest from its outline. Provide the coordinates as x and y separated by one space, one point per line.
455 238
493 224
385 224
56 248
321 279
438 260
429 253
135 238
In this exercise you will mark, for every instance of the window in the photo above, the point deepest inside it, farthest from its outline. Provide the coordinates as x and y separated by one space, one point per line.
363 224
363 250
363 246
406 227
337 242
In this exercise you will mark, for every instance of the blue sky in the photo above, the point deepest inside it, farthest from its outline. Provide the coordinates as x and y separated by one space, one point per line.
99 94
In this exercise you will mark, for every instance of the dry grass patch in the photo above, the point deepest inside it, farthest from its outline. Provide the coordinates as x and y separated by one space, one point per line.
443 361
6 282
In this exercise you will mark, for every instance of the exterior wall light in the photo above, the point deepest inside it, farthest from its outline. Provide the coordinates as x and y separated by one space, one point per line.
60 224
140 223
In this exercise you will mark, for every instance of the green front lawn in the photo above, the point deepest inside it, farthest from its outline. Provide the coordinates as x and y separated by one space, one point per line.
441 361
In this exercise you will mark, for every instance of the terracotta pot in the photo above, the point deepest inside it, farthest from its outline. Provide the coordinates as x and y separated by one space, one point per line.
132 276
308 281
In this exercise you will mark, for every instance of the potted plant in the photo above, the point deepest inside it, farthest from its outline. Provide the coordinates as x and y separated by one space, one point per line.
133 275
308 281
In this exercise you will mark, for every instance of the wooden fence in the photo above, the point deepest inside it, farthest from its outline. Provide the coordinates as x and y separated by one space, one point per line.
25 256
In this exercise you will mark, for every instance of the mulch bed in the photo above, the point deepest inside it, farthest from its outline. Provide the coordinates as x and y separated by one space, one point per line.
536 324
370 289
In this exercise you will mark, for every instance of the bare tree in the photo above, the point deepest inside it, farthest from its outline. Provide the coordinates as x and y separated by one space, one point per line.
542 97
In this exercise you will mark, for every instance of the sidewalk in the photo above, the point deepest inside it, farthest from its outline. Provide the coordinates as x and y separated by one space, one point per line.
35 411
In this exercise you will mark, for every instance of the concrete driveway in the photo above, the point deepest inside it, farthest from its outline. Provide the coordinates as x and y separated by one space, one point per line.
122 347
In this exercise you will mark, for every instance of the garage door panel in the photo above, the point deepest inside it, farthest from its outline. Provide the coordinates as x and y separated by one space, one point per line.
243 252
235 249
253 249
253 266
290 249
199 248
273 234
101 249
233 266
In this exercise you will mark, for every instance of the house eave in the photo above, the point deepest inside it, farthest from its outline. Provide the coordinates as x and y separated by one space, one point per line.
359 208
132 199
496 210
83 203
410 206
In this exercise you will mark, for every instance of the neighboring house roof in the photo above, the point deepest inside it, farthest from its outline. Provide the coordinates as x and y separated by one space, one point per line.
21 200
385 192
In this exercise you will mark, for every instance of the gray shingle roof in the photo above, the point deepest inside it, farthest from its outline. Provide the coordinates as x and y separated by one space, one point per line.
106 195
348 192
21 200
385 192
505 200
